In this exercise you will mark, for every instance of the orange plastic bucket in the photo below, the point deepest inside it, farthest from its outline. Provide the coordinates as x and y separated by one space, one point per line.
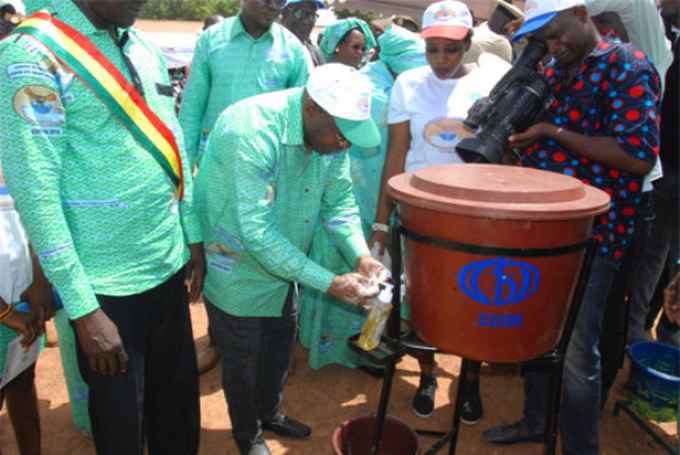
355 436
497 282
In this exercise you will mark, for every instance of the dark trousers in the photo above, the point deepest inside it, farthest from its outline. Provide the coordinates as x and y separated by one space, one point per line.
255 359
580 407
156 401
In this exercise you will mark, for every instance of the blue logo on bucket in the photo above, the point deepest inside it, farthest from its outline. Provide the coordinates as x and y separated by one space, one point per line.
499 282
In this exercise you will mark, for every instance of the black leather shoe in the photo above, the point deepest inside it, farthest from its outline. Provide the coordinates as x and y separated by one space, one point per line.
287 427
512 434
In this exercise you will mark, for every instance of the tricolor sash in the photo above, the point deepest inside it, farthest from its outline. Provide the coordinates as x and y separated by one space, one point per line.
75 51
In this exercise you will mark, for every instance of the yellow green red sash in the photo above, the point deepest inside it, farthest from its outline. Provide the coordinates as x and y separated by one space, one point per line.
89 65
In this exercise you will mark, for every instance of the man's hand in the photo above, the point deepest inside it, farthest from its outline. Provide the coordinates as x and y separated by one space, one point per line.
671 300
24 324
196 272
352 288
532 135
369 267
101 343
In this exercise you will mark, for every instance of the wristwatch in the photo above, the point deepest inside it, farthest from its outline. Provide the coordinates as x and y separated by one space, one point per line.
380 227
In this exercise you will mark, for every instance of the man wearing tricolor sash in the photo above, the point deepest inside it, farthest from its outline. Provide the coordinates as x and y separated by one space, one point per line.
93 154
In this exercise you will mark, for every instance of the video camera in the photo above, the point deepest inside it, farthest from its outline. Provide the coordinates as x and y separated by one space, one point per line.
514 104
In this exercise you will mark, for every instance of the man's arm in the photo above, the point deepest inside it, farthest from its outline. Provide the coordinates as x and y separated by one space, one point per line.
195 99
339 211
31 151
603 149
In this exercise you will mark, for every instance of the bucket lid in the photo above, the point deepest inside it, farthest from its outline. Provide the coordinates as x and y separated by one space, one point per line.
495 191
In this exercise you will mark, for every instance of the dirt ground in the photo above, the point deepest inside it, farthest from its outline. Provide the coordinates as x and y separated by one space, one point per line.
325 399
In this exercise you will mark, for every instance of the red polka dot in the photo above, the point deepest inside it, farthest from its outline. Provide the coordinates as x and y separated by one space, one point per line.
621 229
628 211
603 45
634 140
598 238
656 150
634 186
633 115
605 85
574 115
550 72
639 54
636 91
614 173
613 57
618 254
603 220
579 85
559 157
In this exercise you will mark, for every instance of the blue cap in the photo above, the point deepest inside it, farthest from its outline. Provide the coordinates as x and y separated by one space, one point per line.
320 3
533 25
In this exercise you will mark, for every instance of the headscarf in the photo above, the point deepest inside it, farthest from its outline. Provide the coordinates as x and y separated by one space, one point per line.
401 49
335 32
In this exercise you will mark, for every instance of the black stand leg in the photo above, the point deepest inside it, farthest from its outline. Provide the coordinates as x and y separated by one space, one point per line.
625 405
393 329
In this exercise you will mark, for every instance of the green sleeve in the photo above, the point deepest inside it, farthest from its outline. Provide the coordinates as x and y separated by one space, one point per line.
340 213
31 147
249 177
195 99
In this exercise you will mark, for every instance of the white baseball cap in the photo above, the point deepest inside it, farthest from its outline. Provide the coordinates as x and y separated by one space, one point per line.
539 13
345 94
447 19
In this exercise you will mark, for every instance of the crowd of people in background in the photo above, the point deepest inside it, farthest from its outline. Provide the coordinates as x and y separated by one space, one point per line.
254 180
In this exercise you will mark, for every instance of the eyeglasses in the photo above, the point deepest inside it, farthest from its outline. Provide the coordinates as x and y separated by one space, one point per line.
304 14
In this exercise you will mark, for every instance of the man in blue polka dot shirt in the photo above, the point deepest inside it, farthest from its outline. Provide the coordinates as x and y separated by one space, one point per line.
602 128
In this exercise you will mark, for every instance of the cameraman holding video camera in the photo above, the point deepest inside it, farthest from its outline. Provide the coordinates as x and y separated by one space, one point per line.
602 128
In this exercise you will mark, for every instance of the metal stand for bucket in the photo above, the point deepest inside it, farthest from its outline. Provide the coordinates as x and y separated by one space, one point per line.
553 361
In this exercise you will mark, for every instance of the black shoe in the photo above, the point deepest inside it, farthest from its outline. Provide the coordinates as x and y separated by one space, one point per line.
512 434
423 401
471 408
287 427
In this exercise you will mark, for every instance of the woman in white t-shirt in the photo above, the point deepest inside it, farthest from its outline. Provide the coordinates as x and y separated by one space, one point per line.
427 108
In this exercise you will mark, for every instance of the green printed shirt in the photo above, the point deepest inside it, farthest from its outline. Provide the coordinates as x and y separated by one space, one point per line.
230 65
98 208
260 195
